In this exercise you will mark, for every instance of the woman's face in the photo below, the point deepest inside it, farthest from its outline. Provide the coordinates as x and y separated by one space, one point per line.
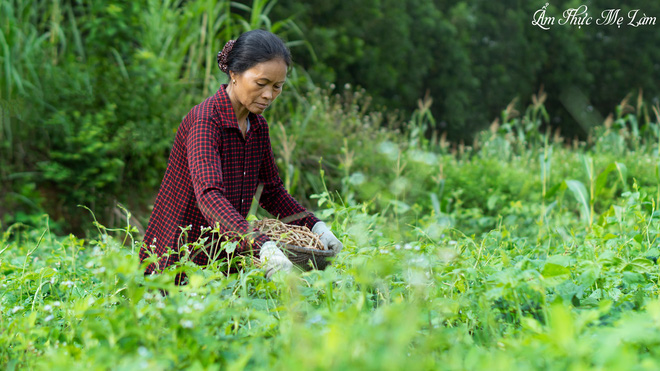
256 88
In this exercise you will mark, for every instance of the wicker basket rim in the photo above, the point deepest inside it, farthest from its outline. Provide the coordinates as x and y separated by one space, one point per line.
307 250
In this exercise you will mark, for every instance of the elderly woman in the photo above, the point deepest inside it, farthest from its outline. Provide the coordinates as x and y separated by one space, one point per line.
220 154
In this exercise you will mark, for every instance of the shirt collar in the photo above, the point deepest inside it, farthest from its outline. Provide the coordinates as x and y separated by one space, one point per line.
225 110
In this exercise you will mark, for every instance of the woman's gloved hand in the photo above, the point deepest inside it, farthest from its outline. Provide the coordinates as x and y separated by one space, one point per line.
273 259
330 242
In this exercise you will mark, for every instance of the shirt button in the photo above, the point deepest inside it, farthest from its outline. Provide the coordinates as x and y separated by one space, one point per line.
245 172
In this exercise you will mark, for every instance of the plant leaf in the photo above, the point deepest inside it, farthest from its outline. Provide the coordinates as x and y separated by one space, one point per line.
602 178
581 195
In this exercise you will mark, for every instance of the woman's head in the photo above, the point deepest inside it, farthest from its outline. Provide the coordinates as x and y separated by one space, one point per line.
257 64
251 48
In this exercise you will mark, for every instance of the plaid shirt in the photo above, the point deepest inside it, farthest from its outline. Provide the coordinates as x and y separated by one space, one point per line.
211 177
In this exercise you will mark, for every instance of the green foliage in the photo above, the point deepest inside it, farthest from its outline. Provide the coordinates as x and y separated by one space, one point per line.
326 129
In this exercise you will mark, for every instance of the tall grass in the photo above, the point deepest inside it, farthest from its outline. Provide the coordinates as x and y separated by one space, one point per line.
25 41
188 35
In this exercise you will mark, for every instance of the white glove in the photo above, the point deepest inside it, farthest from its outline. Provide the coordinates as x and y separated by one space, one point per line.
273 259
330 242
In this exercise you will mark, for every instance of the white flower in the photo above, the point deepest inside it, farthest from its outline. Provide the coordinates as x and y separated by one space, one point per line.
186 323
407 246
160 305
49 318
57 304
68 283
16 309
384 251
48 308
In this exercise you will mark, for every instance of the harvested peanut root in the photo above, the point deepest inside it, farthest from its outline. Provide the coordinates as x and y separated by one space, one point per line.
289 234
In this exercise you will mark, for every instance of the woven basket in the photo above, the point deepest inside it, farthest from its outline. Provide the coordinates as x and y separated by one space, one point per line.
307 258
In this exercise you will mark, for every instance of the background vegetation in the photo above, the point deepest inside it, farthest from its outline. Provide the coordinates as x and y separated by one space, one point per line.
522 249
474 57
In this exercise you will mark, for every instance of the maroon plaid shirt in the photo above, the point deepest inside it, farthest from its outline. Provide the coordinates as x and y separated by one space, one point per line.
211 177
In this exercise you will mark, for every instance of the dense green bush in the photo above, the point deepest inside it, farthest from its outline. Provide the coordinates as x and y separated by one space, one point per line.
474 57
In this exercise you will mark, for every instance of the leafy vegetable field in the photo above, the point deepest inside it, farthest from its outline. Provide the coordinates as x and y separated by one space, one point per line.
552 265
